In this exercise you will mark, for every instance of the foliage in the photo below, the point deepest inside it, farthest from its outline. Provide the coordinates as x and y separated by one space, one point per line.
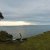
4 36
1 16
38 42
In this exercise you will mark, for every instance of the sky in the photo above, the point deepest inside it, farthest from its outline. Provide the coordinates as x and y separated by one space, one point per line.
28 12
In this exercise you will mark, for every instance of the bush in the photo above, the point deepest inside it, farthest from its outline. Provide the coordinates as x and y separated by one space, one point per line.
4 36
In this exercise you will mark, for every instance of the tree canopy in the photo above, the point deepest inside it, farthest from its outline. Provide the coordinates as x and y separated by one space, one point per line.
4 36
1 16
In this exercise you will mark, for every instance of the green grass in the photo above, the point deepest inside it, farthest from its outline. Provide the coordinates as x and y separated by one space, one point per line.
38 42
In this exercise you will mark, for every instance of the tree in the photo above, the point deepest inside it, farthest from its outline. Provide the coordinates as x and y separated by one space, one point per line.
4 36
1 16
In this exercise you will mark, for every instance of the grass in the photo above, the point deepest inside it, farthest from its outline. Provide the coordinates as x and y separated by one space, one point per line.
38 42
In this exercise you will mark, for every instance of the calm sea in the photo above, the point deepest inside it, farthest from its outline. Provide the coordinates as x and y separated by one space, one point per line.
26 31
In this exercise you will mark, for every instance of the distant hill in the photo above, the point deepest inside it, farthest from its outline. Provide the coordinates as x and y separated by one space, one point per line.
38 42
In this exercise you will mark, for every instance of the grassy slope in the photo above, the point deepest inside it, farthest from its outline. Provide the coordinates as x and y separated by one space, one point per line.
39 42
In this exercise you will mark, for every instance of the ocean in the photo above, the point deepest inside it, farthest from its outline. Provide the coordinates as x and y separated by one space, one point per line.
26 31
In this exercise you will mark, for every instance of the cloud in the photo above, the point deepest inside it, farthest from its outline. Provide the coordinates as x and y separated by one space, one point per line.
21 23
25 7
37 11
14 23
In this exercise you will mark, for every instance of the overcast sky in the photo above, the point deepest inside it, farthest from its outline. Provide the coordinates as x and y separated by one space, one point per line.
32 11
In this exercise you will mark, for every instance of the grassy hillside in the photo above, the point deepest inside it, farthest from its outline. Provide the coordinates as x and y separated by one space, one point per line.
38 42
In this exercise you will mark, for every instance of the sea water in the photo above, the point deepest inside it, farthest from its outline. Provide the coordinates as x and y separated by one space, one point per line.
26 31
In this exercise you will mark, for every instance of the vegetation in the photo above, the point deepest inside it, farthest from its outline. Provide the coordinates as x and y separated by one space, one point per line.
38 42
1 16
4 36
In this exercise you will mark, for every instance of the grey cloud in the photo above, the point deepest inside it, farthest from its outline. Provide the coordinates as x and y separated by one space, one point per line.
26 10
